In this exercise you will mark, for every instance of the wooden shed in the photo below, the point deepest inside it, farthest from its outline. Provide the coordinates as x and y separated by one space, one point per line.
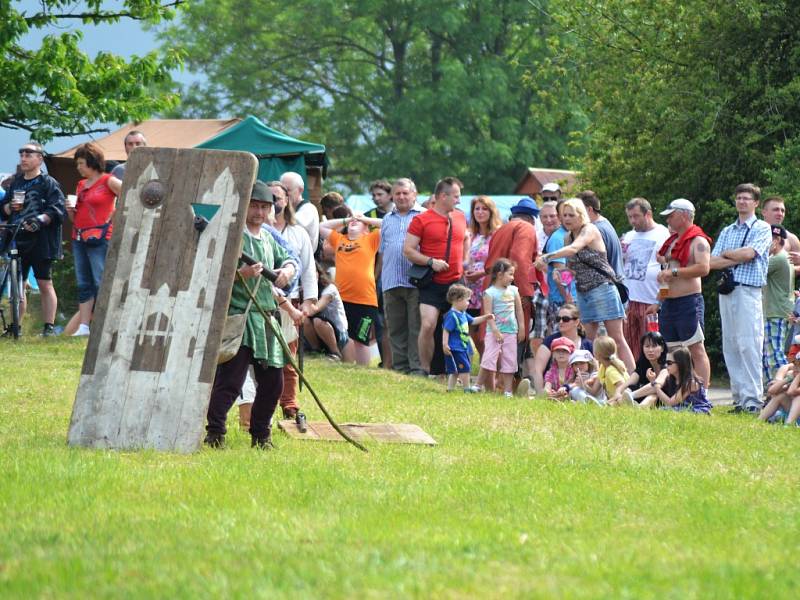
535 178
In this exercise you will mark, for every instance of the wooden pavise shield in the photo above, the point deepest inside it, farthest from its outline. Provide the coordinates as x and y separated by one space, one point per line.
152 353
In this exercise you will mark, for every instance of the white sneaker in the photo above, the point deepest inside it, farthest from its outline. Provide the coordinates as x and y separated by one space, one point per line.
83 330
627 398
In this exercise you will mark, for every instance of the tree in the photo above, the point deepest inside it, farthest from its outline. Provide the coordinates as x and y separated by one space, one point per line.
57 90
393 87
688 98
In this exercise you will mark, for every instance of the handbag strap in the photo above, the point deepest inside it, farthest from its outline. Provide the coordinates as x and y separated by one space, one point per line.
744 240
449 239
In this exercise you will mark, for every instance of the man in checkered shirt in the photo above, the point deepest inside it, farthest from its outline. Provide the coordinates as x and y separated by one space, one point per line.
744 247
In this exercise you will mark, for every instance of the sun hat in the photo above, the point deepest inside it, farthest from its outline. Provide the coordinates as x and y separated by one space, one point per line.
525 206
581 355
562 343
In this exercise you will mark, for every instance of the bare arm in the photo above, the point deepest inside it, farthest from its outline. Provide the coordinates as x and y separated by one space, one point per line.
740 255
539 363
114 184
446 342
482 318
412 253
325 227
520 316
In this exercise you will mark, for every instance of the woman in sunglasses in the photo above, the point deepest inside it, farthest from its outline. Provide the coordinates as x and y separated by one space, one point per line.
691 393
569 321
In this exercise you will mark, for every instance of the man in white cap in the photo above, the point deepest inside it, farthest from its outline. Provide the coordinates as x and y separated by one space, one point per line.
685 257
551 192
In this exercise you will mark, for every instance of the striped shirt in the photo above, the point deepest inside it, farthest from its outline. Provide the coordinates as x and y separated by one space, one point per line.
395 266
759 238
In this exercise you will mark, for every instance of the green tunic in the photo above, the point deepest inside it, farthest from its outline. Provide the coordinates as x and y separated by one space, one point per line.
257 334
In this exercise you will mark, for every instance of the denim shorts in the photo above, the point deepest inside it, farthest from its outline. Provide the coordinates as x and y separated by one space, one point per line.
600 304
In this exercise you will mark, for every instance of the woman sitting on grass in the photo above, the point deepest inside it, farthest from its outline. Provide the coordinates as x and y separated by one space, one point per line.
691 393
784 393
651 368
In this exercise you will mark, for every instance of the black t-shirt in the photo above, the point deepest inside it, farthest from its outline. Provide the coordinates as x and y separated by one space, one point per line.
642 365
43 196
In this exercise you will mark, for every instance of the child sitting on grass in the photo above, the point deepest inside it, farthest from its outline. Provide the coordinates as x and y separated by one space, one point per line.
784 393
584 377
325 329
691 394
613 376
456 341
558 376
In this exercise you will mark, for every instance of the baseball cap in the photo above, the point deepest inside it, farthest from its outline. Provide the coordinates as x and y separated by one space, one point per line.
525 206
678 204
262 193
779 231
551 187
581 355
562 343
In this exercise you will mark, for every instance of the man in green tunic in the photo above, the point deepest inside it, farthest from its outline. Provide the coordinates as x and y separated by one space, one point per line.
260 347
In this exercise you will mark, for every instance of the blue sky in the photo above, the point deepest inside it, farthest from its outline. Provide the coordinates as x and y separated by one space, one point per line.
124 39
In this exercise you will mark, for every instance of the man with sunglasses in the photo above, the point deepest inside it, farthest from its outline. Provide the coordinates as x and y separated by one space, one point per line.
39 206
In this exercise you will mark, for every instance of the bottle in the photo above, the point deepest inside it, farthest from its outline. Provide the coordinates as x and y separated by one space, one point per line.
663 286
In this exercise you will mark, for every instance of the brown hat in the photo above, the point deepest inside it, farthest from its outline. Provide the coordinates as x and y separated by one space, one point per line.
262 193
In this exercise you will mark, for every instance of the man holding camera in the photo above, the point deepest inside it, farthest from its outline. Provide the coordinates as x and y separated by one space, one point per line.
36 200
743 247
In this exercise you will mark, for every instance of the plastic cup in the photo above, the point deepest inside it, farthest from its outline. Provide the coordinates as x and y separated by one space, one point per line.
18 198
652 322
71 200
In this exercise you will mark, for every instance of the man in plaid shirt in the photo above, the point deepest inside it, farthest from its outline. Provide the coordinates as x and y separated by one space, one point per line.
744 247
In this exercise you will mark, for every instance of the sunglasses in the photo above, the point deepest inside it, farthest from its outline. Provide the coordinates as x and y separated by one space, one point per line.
28 151
549 198
669 362
566 319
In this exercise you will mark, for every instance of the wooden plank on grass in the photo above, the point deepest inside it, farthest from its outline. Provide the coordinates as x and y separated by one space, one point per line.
150 361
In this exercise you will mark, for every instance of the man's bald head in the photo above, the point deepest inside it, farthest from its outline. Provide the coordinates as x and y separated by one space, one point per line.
294 186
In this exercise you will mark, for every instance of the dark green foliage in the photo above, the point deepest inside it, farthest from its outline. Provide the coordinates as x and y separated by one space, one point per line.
419 89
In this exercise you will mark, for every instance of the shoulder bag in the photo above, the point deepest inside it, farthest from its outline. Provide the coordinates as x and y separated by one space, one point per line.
622 289
726 283
421 276
233 330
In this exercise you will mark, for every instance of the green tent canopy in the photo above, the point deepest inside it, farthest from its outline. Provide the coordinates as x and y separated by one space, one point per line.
276 152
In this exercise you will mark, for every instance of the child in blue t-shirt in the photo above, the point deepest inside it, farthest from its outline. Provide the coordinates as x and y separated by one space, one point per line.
456 342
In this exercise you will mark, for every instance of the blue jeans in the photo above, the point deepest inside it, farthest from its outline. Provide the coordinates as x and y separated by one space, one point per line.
89 265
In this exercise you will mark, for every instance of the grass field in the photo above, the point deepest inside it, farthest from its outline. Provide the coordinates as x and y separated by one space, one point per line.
519 499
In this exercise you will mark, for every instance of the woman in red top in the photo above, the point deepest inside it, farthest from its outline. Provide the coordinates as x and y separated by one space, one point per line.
91 226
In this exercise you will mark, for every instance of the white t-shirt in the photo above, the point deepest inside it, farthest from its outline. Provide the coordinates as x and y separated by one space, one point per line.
334 311
639 250
308 217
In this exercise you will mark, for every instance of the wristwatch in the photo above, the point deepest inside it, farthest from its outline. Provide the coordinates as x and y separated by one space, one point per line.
674 271
430 262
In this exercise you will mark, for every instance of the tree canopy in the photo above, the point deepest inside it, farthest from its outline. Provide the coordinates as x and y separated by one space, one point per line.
57 90
392 87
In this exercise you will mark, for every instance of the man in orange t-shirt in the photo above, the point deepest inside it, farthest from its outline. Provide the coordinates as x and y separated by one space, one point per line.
355 254
426 244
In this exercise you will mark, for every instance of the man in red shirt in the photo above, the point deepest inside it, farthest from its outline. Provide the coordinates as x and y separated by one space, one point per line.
426 244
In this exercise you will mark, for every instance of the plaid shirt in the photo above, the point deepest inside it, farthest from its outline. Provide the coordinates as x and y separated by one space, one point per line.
752 272
395 266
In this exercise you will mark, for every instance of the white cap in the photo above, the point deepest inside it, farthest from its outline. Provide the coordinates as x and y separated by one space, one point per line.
551 187
581 355
679 204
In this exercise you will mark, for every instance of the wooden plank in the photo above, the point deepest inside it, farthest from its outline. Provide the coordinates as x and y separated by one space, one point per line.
147 375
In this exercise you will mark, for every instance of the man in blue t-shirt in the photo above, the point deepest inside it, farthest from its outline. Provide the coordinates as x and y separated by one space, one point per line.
456 342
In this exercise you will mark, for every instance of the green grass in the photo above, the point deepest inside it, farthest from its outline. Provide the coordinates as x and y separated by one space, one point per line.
519 499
